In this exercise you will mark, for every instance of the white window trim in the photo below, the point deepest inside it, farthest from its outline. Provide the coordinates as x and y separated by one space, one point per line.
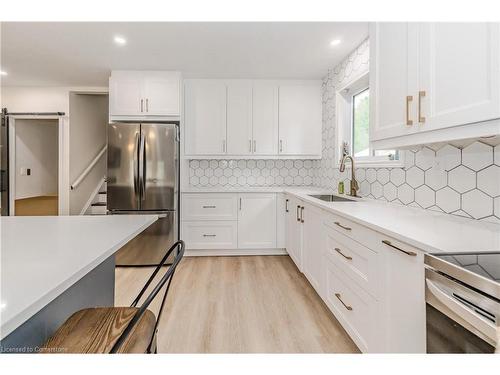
343 128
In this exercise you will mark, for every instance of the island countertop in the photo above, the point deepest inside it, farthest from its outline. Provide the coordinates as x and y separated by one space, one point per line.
42 256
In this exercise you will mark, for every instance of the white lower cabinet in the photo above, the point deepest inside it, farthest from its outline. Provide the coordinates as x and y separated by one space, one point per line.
372 283
281 217
210 235
353 307
312 246
294 231
231 221
257 221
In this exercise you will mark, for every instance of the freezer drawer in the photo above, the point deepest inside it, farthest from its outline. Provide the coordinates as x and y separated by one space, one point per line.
149 247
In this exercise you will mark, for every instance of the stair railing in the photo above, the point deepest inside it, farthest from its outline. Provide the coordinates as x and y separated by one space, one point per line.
87 170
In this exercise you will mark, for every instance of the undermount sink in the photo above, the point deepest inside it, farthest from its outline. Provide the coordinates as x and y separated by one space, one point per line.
331 198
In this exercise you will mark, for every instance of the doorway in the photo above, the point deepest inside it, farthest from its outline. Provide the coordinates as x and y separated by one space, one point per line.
36 167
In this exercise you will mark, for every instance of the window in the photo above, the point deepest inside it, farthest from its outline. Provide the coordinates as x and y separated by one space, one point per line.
353 126
360 123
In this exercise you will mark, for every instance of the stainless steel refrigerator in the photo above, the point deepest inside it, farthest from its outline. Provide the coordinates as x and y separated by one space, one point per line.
143 178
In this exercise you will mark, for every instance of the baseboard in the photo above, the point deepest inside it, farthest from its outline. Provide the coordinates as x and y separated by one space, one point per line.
92 196
233 252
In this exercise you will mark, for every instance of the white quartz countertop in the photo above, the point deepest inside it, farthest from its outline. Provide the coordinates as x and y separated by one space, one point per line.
42 256
249 189
427 230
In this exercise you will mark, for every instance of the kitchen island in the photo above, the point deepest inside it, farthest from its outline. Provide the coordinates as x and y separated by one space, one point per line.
52 266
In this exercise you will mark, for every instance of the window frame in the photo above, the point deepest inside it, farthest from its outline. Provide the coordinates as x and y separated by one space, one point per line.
344 126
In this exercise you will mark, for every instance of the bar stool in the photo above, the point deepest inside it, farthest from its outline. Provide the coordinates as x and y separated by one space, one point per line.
116 329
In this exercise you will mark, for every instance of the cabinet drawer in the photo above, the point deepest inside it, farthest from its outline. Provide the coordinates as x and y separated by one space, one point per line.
209 206
358 262
357 232
353 307
210 235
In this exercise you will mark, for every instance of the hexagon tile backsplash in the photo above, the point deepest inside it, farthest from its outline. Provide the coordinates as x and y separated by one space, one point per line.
464 182
244 173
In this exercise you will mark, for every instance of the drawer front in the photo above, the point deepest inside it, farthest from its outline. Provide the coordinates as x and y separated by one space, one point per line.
353 307
210 235
351 229
209 206
358 262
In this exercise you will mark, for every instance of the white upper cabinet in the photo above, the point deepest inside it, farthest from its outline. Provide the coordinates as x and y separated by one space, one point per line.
239 117
144 94
265 117
257 221
459 74
125 95
162 94
426 78
205 117
393 79
252 118
300 118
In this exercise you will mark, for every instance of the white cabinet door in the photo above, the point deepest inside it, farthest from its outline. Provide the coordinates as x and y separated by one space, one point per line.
282 204
393 79
161 93
300 111
239 117
125 95
404 299
294 232
205 117
265 117
313 243
459 73
257 221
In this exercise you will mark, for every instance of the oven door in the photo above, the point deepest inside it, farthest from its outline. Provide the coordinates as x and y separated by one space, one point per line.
459 319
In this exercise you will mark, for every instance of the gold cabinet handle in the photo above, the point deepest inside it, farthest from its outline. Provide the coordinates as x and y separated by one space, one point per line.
388 243
409 99
341 253
421 94
339 297
342 226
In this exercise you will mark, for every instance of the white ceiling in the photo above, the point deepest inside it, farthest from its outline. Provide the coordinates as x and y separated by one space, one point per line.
83 54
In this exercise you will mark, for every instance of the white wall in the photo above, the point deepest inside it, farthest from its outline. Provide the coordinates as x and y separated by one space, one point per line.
41 99
88 120
37 149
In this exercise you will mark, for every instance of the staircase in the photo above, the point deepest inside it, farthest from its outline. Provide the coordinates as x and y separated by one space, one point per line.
98 205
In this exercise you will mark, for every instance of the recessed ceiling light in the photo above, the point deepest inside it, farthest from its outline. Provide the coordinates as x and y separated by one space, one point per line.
335 42
2 73
121 41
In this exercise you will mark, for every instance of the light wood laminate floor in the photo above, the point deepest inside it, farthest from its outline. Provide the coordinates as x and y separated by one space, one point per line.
37 206
252 304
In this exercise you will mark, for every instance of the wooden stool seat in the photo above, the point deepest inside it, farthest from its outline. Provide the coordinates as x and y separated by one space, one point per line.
96 330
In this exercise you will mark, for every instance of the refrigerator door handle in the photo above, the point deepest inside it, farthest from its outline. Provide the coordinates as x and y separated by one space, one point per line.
136 163
142 167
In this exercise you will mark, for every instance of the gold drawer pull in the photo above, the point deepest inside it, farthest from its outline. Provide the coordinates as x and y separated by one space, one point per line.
342 226
409 99
421 94
340 299
410 253
341 253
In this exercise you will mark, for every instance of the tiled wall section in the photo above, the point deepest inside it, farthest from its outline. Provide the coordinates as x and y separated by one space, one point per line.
446 178
239 173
